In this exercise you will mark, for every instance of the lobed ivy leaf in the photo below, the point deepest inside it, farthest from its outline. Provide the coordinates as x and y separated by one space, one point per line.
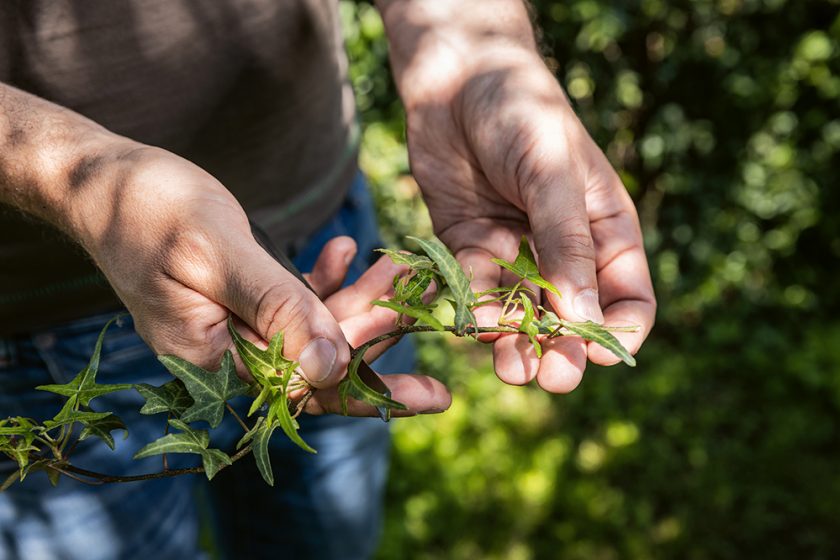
455 278
102 429
263 364
189 440
171 397
70 414
525 267
601 335
528 326
414 262
84 386
209 390
422 314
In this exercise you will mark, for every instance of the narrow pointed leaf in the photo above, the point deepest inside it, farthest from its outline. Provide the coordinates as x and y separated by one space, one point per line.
525 266
260 450
527 324
422 314
280 410
171 397
256 360
353 386
600 335
455 278
209 390
103 428
274 353
84 386
414 262
249 435
410 289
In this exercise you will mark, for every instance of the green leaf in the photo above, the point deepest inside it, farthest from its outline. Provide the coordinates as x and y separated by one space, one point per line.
102 429
265 393
410 289
20 426
279 409
353 386
274 353
262 435
84 386
455 278
258 361
68 414
189 440
171 397
422 314
249 435
209 390
414 262
549 322
53 476
528 326
525 266
214 460
600 335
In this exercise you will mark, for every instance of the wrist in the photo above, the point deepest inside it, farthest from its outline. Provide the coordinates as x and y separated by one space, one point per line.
435 51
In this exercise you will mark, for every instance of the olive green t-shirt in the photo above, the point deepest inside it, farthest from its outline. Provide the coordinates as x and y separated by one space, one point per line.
253 91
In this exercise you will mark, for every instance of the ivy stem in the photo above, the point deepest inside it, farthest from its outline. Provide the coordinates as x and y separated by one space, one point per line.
409 329
101 478
238 418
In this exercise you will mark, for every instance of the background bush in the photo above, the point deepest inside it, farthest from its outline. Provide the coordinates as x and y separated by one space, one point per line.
723 119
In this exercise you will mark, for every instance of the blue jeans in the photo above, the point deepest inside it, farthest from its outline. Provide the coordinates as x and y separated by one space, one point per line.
322 506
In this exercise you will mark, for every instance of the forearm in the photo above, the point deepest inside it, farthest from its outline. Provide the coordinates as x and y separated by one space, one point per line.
50 158
436 45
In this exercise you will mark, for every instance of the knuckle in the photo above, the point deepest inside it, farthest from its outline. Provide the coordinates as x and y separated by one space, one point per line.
282 308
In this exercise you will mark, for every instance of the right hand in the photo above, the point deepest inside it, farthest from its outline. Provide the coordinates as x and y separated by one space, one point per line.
177 248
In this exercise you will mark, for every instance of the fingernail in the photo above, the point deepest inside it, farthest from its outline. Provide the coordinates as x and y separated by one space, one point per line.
587 306
318 360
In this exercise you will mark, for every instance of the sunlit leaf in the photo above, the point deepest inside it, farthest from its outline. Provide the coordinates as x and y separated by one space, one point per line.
455 278
209 390
528 326
422 314
600 335
410 289
525 267
415 262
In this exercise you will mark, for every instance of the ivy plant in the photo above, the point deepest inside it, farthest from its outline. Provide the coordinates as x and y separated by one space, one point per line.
278 391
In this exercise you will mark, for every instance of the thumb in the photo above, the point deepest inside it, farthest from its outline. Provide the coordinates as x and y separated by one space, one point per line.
270 300
565 249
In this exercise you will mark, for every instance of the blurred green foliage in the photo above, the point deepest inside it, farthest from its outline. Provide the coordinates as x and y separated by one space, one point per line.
723 119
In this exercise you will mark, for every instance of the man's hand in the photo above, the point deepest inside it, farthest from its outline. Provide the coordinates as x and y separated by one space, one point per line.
498 151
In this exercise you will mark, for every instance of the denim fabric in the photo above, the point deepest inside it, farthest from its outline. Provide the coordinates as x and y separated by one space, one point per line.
322 506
